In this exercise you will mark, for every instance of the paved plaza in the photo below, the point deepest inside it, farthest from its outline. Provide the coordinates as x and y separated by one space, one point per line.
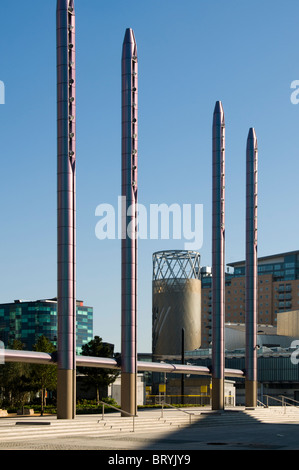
153 431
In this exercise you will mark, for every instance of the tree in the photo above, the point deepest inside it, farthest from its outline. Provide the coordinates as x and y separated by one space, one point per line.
95 376
44 377
15 380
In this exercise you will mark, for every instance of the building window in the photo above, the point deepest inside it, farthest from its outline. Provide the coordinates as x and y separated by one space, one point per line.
289 265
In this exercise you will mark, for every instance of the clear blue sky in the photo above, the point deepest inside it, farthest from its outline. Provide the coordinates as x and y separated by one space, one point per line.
191 54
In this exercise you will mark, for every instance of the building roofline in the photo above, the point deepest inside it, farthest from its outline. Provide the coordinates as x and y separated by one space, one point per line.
53 300
265 258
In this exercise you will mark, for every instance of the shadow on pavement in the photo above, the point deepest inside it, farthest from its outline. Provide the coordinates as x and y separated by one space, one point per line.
229 430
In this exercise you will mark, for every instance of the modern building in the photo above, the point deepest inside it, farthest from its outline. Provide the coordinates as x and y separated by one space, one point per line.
278 371
27 320
278 291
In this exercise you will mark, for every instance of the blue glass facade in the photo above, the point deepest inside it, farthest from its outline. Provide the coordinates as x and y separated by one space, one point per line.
284 267
285 270
26 321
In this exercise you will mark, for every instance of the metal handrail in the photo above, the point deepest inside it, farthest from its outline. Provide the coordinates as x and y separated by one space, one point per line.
273 398
176 408
277 399
261 403
291 399
117 409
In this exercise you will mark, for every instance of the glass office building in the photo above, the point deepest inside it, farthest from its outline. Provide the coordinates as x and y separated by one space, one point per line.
27 320
282 267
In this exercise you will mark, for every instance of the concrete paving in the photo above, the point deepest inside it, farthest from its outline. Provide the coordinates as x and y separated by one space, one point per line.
172 432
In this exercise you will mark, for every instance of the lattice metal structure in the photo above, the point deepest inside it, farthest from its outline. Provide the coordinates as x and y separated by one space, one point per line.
176 302
176 264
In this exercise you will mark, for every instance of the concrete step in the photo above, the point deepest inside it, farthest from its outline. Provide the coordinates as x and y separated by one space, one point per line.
33 428
275 414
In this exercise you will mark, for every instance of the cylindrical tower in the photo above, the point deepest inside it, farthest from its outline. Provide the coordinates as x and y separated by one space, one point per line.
129 222
66 209
176 302
251 269
218 258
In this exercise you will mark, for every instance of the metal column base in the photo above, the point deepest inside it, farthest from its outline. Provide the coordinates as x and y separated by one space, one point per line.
217 394
66 394
251 393
128 393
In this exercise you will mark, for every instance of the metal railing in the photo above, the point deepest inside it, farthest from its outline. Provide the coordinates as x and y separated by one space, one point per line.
283 401
195 400
177 409
117 409
260 403
284 398
272 398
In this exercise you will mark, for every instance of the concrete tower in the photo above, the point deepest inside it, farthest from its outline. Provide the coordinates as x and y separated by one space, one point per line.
251 269
218 261
66 209
129 223
176 303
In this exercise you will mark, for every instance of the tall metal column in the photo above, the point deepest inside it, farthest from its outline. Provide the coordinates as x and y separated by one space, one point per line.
218 263
66 209
129 223
251 269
